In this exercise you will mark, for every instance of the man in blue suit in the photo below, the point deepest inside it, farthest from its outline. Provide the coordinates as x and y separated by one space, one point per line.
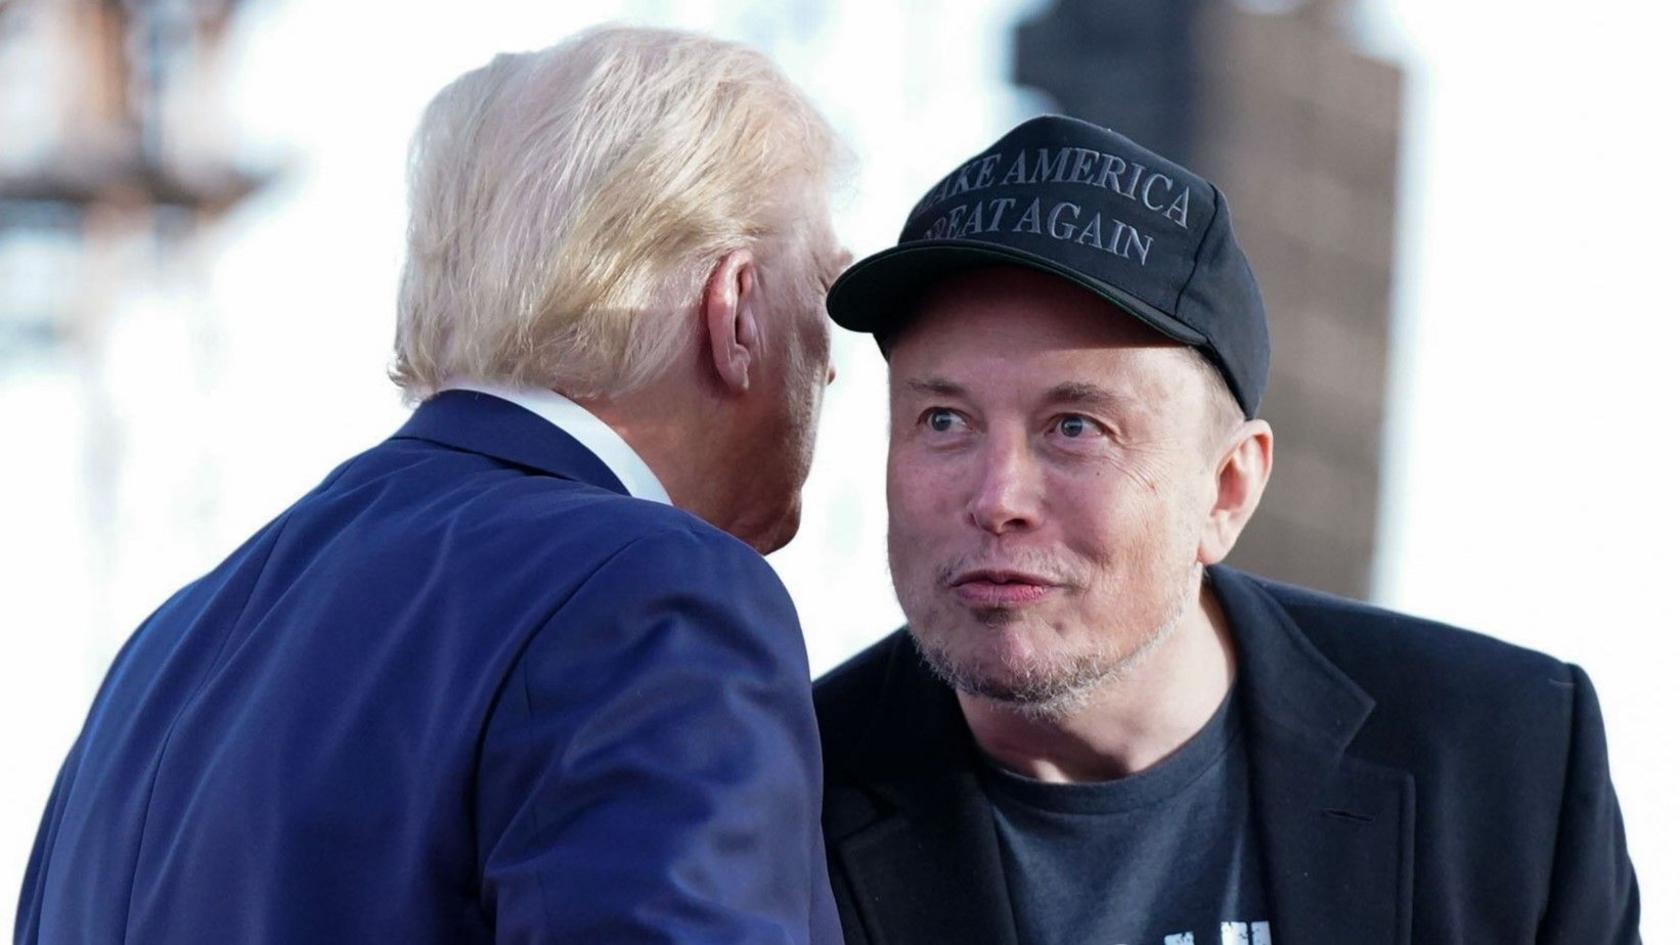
519 673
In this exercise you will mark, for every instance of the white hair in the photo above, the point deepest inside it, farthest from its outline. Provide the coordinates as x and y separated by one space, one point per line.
566 205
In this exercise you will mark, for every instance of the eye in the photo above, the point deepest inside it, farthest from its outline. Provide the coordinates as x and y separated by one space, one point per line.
1073 426
941 419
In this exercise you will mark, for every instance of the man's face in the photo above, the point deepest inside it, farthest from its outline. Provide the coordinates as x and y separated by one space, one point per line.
1047 482
798 374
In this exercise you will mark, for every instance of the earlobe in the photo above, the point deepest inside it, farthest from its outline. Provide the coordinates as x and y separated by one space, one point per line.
729 312
1241 478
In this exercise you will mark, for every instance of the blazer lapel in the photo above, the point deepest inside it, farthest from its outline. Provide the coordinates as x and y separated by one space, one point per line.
1337 840
932 872
923 860
1336 831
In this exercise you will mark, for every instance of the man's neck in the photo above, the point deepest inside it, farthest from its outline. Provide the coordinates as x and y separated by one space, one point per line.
1134 721
678 432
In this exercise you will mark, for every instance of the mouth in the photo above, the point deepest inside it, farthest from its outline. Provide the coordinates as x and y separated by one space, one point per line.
988 587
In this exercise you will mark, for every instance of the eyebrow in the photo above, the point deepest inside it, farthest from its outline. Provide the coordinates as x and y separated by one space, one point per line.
1071 393
937 387
1085 395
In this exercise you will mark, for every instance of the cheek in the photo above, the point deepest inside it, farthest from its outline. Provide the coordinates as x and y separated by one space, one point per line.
1092 502
1156 556
903 493
801 408
1126 530
914 512
919 488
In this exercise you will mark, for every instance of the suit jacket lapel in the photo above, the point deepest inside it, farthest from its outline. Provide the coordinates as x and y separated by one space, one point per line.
480 423
1336 831
932 871
921 854
1337 840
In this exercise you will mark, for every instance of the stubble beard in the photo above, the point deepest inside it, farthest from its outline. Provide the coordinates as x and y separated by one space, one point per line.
1051 691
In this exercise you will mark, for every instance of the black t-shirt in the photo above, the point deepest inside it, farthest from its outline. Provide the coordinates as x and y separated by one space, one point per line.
1167 856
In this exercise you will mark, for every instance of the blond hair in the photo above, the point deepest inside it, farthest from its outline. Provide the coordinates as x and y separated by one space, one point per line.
566 204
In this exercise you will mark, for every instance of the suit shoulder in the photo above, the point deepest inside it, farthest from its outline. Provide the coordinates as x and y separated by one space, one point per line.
475 491
547 499
668 580
491 531
1365 632
649 534
682 545
1428 674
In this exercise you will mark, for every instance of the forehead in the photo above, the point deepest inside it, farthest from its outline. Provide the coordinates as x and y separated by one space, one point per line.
1024 330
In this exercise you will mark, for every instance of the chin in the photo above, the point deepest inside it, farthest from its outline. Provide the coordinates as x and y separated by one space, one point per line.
1008 657
775 536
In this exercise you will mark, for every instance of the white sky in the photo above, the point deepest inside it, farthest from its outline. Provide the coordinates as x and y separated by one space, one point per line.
1529 490
1527 460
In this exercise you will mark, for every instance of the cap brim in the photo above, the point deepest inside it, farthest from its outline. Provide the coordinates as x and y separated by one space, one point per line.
878 294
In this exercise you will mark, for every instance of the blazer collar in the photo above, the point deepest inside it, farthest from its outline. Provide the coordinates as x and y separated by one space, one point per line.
1287 683
928 869
491 426
1336 831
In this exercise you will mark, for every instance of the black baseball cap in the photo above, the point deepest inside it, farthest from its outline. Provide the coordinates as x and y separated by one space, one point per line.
1091 206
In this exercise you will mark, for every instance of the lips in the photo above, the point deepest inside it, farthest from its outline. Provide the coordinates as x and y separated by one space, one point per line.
987 587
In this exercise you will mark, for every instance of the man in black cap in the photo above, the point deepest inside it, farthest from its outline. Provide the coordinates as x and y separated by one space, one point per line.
1090 731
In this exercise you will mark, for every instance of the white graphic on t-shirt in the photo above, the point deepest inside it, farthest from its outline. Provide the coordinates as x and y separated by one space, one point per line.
1230 933
1245 933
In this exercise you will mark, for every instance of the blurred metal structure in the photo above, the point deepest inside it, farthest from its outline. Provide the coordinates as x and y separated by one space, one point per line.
109 130
114 158
1276 104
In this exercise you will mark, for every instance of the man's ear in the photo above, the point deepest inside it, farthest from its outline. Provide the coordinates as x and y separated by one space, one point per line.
1242 472
730 310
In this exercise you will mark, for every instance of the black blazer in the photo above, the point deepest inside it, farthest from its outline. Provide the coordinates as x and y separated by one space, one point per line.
1412 783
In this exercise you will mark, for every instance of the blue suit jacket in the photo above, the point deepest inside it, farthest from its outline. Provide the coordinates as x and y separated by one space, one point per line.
466 690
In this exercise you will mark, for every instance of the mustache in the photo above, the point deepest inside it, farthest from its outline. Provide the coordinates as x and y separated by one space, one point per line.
1040 563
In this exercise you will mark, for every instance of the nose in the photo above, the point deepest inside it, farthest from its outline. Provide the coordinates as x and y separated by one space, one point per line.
1006 498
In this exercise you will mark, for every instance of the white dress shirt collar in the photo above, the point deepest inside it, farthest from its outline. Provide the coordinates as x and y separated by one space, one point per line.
586 428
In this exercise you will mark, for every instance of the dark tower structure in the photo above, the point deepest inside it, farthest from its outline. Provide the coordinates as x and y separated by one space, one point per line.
1127 66
1301 129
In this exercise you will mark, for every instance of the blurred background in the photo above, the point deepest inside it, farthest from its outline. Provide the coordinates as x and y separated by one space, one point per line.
1459 214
